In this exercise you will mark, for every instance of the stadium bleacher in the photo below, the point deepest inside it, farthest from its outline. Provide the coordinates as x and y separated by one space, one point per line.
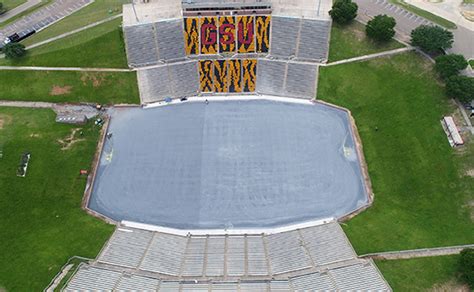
150 43
168 80
286 78
313 258
313 41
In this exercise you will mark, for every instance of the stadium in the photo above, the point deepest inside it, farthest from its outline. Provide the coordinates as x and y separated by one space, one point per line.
235 145
229 177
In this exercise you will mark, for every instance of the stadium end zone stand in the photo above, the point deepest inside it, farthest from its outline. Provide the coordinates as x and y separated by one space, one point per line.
307 259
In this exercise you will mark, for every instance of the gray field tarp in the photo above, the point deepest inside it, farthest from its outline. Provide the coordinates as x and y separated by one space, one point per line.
241 164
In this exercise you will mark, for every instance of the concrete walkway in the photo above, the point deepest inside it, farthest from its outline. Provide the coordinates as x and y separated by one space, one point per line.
417 253
27 104
19 9
371 56
35 68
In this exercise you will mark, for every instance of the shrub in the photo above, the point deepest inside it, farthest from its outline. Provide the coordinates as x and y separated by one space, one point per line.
343 11
381 28
2 9
466 266
14 50
450 65
431 39
460 87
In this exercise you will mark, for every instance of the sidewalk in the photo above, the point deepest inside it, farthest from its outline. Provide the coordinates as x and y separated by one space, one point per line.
19 9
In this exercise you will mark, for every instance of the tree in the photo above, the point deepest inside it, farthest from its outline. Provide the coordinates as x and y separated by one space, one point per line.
431 39
450 65
14 50
343 11
460 87
466 266
381 28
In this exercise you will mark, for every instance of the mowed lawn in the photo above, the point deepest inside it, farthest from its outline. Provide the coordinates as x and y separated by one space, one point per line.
96 11
349 41
422 197
42 223
422 274
98 47
69 86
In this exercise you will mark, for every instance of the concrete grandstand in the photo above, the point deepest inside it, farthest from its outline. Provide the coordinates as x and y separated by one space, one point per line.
288 40
313 258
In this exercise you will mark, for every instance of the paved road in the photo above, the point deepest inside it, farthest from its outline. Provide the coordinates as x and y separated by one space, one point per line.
44 17
19 9
407 21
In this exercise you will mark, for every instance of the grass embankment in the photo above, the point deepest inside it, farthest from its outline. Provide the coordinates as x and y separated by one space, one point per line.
422 196
350 41
69 86
423 274
425 14
100 46
99 10
42 222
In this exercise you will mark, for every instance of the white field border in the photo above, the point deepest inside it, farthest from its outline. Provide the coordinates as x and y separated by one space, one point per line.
229 98
236 231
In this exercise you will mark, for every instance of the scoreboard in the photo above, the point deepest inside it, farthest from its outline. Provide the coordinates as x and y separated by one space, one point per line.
210 35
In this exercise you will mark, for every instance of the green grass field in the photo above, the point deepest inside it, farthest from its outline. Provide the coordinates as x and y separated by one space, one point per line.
421 200
100 46
426 14
99 10
42 222
422 274
69 86
351 41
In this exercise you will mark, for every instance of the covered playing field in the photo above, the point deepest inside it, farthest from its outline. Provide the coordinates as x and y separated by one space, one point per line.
228 164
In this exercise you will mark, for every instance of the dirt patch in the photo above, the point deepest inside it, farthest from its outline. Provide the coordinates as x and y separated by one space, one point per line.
96 79
60 90
71 139
4 120
450 286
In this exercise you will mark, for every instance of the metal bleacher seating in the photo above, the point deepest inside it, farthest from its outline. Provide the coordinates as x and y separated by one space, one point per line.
169 39
284 36
313 42
301 80
308 259
174 80
287 78
164 254
141 45
300 39
149 43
